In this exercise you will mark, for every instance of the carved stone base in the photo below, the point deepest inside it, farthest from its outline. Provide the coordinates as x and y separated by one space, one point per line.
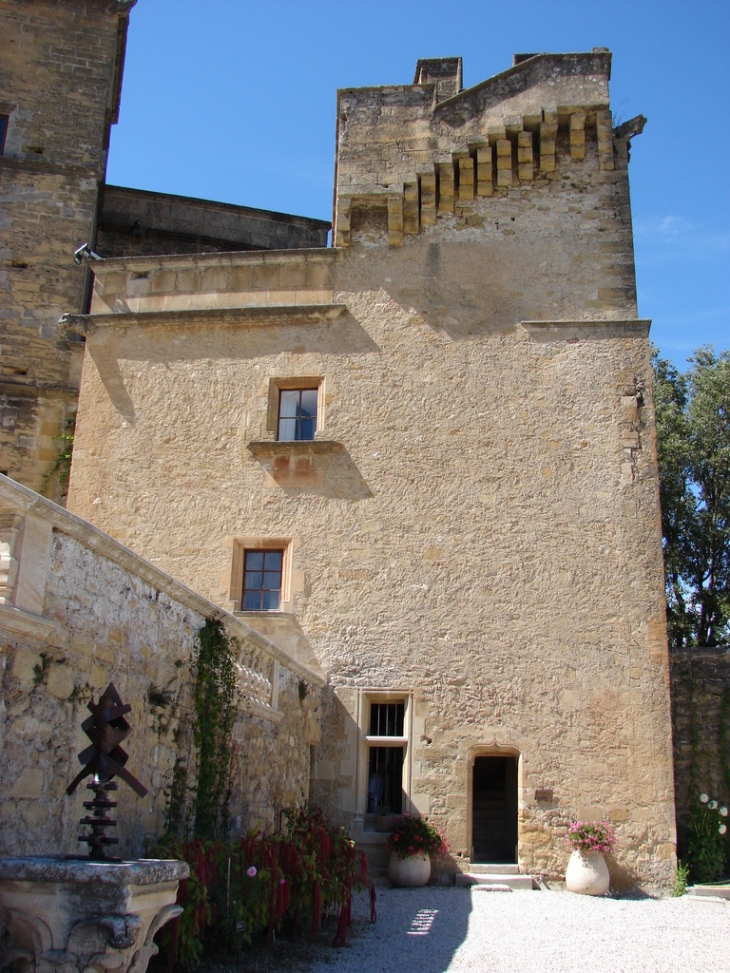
79 916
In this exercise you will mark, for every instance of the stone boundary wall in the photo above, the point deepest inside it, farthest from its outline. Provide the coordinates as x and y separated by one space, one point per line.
78 610
700 719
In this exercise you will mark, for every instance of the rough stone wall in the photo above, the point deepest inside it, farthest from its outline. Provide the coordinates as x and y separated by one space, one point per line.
101 614
475 529
701 724
133 222
59 86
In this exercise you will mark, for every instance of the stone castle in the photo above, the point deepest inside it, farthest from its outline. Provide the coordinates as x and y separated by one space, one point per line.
414 473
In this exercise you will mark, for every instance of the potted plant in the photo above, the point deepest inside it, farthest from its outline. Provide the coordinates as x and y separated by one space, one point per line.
411 844
587 872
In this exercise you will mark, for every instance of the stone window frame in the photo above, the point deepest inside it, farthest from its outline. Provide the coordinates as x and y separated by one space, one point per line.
278 384
235 586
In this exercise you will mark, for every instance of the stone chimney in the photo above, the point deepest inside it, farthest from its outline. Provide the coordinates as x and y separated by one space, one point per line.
444 72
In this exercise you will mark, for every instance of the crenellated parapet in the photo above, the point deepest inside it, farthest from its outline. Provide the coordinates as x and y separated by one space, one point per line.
404 151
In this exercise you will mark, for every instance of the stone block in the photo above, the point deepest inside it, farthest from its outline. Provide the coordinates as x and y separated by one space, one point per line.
28 786
446 188
428 199
24 664
59 681
410 208
466 178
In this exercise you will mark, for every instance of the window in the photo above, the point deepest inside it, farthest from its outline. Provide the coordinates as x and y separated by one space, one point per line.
260 576
297 414
387 742
3 132
262 572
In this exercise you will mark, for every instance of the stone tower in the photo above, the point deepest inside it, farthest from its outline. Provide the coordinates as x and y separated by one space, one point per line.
60 85
60 88
423 460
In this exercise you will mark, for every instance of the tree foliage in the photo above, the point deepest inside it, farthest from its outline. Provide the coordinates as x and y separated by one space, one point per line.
693 445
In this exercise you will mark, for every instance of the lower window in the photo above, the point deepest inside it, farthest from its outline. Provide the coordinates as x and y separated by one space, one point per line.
385 780
262 572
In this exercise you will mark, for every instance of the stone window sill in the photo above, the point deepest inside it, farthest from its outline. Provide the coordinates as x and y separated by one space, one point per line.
273 447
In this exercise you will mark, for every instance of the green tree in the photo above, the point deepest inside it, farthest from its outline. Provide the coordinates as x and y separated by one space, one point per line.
693 445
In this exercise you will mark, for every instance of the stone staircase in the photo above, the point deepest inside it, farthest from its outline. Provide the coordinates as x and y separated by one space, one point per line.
496 878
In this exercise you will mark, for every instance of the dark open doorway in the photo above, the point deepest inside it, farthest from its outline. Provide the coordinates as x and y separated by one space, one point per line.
494 810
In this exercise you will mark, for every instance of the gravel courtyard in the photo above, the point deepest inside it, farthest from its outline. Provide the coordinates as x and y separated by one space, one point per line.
432 930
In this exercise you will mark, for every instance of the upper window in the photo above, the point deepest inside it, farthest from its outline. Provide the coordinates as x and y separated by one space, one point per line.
3 132
297 414
262 572
386 719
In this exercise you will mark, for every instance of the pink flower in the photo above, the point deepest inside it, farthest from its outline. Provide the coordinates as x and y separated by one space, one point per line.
251 872
282 881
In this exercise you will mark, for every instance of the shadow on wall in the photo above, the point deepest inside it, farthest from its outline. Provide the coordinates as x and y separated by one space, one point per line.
192 342
332 474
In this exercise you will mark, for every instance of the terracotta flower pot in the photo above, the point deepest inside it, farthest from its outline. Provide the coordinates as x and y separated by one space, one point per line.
410 872
587 873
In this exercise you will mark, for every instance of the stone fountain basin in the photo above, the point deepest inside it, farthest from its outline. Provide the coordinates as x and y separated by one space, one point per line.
76 913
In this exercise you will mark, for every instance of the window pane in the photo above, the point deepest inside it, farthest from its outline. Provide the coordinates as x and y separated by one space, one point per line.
272 561
309 402
270 600
254 560
252 601
287 430
289 403
307 428
272 580
253 580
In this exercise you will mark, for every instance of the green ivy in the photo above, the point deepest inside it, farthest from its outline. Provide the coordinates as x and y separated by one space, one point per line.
215 689
40 670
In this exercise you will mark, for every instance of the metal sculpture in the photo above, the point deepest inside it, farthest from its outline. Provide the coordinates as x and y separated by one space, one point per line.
105 759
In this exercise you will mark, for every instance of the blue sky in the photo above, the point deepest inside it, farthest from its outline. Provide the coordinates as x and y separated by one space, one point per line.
234 100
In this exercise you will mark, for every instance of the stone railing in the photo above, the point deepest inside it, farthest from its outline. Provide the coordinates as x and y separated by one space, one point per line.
28 523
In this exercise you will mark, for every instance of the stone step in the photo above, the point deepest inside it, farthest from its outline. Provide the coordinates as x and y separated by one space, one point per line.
495 882
714 891
479 868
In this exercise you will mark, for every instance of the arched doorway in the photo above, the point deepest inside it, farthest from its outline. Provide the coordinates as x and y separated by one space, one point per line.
494 809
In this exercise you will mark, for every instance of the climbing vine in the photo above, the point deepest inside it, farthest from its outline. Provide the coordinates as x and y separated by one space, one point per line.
214 716
61 468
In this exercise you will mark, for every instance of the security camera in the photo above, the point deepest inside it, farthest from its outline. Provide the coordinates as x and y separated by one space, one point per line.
85 251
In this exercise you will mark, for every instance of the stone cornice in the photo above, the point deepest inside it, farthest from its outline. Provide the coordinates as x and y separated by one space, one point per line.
84 324
96 540
567 329
235 258
24 623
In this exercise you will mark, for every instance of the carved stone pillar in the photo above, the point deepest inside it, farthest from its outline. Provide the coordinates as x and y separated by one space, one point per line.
73 915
